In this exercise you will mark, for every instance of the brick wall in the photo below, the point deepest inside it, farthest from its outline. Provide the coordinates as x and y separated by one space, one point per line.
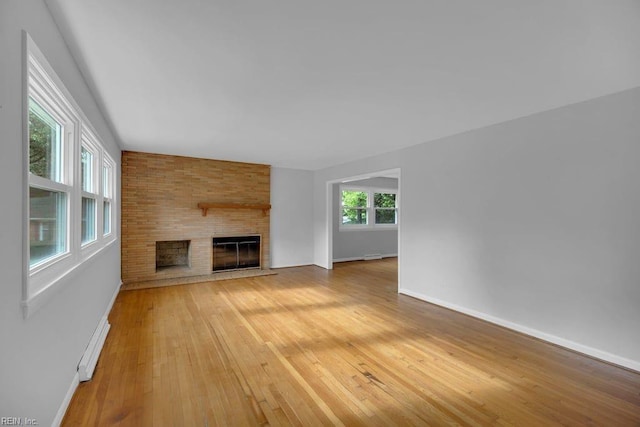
159 203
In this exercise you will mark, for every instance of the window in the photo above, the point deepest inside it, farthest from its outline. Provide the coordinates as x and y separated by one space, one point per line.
354 207
70 183
386 210
47 225
48 184
89 192
107 194
366 208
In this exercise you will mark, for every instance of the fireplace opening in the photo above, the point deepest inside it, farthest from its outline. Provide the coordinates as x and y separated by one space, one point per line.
172 253
236 253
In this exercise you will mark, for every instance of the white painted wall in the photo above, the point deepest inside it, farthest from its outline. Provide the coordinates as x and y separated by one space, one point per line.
351 244
532 223
291 217
40 355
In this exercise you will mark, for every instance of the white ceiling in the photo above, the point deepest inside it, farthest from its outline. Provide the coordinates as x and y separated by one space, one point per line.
309 84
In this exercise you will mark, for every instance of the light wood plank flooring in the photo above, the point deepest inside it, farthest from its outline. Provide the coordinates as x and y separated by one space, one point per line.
315 347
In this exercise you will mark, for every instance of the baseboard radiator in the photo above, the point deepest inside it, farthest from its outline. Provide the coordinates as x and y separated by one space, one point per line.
90 357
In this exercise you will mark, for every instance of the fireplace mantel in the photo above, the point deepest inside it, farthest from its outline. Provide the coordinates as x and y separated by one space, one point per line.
206 206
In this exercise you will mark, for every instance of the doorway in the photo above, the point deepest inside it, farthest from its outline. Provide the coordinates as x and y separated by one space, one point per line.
338 231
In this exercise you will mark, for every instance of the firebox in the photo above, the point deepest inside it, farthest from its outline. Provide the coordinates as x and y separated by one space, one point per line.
236 252
172 253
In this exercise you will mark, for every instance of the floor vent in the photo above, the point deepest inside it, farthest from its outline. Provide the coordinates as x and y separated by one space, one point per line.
370 257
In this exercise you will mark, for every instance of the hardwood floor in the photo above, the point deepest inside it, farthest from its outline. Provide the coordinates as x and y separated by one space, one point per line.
316 347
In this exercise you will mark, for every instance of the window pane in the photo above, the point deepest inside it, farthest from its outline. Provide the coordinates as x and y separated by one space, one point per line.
384 200
354 198
45 144
106 181
47 224
106 225
88 219
86 166
385 216
354 216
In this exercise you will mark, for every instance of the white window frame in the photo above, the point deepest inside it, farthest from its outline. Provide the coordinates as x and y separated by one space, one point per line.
47 95
90 144
370 209
68 124
44 279
375 209
108 192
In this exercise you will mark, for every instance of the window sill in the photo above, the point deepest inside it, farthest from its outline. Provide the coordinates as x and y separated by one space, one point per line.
56 284
367 228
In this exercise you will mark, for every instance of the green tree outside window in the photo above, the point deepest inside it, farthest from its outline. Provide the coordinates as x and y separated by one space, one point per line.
354 207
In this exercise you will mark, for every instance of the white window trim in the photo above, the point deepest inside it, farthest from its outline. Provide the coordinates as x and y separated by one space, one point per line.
108 195
90 144
369 226
45 279
46 94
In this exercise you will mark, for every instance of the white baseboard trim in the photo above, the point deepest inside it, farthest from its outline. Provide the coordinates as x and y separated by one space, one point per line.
113 298
65 403
562 342
291 265
363 258
355 258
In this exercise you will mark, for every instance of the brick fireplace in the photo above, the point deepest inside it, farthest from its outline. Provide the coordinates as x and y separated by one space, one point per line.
160 197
